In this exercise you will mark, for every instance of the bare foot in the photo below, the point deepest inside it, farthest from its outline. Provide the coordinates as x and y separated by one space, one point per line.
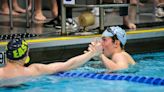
6 12
40 17
131 26
29 7
20 10
55 12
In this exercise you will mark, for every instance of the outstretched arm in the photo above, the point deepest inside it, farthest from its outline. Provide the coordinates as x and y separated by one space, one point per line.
78 61
39 69
94 49
64 66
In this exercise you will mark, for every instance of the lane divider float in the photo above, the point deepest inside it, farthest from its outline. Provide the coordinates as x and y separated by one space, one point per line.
130 78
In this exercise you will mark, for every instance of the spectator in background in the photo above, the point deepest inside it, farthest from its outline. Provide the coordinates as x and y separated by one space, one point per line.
16 8
38 10
159 10
133 9
123 12
30 5
56 21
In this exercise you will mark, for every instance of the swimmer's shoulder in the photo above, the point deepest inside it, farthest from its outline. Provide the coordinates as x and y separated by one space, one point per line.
119 57
1 74
35 69
130 58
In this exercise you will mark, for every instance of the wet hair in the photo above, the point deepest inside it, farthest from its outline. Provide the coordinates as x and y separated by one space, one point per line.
114 38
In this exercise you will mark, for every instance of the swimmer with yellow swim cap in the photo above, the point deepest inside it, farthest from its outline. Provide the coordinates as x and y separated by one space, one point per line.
17 55
17 51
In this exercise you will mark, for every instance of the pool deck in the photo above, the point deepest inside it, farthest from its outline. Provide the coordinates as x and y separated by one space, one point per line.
50 49
49 46
75 40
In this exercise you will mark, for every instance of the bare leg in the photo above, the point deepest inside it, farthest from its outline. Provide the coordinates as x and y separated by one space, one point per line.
132 13
30 5
159 12
38 11
129 24
134 2
159 3
156 2
133 10
54 8
17 8
5 8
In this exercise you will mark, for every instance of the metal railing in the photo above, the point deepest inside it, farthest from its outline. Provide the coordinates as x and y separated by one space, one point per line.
27 14
101 12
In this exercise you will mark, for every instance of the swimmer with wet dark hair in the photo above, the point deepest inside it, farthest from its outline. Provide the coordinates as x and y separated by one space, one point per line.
114 57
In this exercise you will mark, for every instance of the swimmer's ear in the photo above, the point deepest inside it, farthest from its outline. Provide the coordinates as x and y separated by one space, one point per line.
116 43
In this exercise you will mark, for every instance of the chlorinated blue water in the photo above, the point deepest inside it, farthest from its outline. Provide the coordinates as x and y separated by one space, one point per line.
148 64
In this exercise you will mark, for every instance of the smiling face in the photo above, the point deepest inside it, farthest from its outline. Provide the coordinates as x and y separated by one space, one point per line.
108 46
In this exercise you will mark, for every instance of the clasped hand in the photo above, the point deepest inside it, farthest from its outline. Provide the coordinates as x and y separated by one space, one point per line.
95 48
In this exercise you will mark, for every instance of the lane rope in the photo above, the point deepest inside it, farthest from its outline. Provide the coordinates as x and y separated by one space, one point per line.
130 78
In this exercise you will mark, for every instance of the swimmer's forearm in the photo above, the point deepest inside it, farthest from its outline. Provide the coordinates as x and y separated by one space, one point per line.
60 66
108 63
79 60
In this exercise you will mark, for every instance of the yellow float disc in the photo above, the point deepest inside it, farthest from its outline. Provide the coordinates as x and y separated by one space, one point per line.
86 19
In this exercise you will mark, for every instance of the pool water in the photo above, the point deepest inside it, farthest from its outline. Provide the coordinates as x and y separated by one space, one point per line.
148 64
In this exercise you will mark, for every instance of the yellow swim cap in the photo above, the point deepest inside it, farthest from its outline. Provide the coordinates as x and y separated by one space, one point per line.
27 60
17 49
